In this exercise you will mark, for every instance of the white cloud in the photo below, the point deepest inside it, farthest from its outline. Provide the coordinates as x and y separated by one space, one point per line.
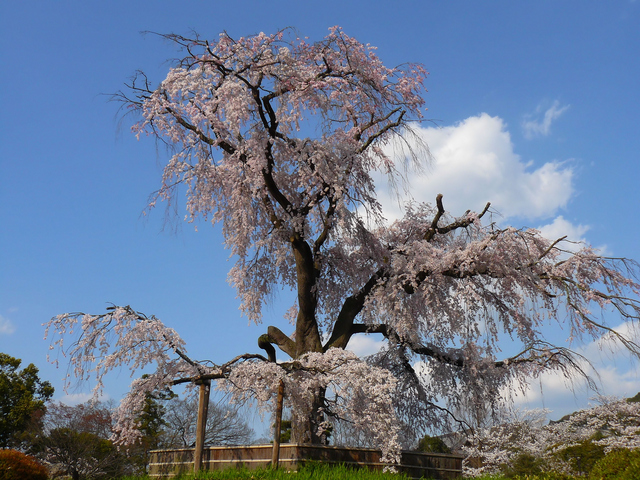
535 124
473 163
554 392
6 327
364 345
574 233
561 227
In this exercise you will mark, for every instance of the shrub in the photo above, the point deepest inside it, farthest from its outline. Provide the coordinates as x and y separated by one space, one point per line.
617 465
547 476
583 456
432 445
18 466
523 464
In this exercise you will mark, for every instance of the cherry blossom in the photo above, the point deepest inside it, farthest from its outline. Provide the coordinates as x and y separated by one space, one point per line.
613 423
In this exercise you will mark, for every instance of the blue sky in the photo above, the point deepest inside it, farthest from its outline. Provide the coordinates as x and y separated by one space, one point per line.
546 92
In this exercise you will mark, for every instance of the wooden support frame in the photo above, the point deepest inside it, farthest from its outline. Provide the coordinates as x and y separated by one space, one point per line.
201 426
275 455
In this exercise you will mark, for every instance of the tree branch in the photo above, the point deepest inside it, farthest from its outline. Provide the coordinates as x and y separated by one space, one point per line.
222 371
430 233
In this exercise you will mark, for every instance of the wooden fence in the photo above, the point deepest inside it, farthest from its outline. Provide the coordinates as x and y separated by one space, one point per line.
169 463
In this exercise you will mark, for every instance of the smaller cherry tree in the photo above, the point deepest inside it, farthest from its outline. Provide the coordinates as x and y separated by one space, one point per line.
612 424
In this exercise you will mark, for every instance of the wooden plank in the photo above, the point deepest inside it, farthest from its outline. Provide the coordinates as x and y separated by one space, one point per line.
169 463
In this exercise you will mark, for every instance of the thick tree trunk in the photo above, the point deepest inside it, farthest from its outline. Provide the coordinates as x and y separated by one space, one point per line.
308 339
307 430
307 331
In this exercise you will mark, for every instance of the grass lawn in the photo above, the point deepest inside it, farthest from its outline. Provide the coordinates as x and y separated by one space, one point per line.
308 472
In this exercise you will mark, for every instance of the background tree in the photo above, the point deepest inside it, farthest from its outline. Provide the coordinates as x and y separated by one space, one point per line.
225 424
77 442
285 431
22 396
151 422
276 139
15 465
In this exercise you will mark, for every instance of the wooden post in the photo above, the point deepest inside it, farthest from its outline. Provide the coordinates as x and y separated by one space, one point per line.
275 455
201 427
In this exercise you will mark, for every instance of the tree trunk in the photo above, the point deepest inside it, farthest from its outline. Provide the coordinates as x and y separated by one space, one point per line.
307 330
307 430
275 457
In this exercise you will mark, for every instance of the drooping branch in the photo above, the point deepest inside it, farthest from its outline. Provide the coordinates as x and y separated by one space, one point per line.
542 354
388 127
417 385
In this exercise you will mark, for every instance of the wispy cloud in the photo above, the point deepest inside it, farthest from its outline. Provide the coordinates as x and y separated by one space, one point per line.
73 399
576 240
6 327
538 123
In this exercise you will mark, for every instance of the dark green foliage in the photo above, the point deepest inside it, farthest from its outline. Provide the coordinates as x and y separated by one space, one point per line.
547 476
431 444
18 466
583 456
151 421
524 464
617 465
634 399
151 424
22 394
285 431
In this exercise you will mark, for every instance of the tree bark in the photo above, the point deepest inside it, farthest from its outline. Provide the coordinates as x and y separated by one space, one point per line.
306 431
307 331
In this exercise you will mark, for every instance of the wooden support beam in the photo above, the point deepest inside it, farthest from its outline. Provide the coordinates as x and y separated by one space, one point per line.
201 427
275 455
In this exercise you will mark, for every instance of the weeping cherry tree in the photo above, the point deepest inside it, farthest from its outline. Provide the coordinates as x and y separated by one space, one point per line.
276 140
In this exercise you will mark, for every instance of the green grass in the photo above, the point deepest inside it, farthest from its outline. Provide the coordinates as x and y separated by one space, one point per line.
538 476
308 472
